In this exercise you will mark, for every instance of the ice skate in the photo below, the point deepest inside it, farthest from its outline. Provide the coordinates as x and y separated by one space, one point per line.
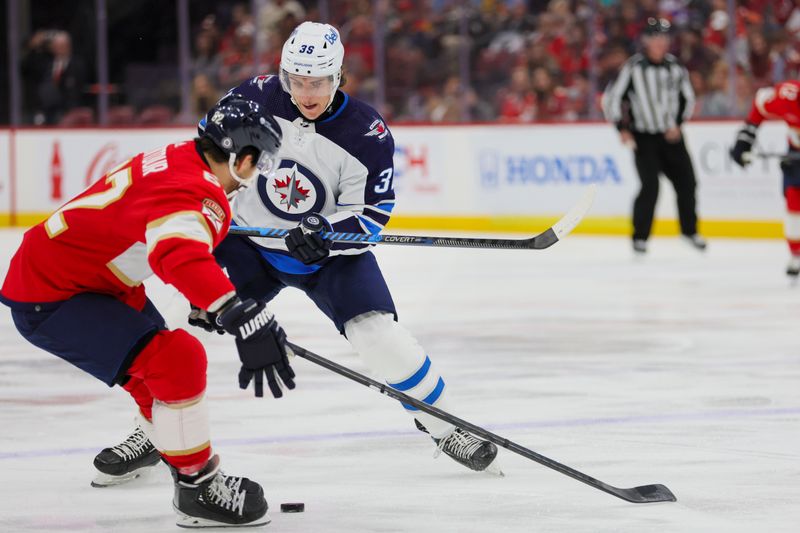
213 499
695 241
793 268
125 461
464 448
639 246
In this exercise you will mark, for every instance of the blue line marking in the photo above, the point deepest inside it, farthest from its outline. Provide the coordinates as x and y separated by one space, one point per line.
632 420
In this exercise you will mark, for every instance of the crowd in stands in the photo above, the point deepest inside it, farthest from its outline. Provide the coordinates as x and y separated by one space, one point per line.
493 60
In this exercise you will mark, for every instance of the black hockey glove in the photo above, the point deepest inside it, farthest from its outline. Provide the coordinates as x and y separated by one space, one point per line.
305 242
261 343
203 319
791 166
740 152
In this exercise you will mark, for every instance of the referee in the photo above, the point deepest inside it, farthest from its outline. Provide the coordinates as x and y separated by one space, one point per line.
648 102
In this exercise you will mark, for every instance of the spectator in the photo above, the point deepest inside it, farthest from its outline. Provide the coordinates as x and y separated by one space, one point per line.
715 102
55 78
518 102
270 16
551 100
205 94
237 61
240 16
206 60
759 59
427 42
449 107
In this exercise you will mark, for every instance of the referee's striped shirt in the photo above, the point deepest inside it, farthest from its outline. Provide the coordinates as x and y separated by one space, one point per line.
648 97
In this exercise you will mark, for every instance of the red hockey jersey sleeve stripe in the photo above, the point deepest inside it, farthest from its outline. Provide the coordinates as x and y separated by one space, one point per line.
189 225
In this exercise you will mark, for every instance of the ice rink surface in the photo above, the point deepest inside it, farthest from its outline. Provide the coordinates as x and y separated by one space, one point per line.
678 368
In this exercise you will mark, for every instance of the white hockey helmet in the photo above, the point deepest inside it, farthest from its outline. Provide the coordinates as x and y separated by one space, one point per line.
313 50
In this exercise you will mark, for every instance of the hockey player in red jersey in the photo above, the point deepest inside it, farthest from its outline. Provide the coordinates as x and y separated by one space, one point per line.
75 289
779 102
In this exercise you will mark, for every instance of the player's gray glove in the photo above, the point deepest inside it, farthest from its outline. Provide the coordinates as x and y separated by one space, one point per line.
261 343
203 319
740 153
305 242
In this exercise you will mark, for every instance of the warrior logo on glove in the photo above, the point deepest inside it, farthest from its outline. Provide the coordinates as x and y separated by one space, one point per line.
261 343
254 324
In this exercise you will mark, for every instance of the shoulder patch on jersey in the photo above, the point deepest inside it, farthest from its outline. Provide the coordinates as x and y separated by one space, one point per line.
377 129
261 80
214 213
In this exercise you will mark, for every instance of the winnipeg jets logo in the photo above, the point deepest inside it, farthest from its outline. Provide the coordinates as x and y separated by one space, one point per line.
260 81
331 36
377 129
290 191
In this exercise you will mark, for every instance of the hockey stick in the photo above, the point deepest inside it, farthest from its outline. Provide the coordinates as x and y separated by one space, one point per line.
787 156
642 494
547 238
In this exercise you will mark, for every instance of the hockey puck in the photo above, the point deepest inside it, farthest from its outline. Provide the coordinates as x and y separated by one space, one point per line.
293 507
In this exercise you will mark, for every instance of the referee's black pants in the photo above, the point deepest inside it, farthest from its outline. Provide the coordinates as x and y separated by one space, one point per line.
654 155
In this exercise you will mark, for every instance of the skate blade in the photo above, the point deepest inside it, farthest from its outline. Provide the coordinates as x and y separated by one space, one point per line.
193 522
102 480
495 469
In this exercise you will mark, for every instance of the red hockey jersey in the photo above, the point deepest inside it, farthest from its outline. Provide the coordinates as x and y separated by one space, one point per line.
779 102
161 212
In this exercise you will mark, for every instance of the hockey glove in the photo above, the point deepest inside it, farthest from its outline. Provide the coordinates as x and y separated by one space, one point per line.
305 242
203 319
261 343
740 152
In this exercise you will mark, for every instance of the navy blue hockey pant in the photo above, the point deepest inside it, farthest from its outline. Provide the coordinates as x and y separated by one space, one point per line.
345 287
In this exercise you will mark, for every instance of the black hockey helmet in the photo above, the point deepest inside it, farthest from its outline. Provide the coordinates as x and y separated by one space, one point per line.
657 26
236 123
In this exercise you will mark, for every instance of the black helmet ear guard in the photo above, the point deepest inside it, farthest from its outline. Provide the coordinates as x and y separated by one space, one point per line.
235 124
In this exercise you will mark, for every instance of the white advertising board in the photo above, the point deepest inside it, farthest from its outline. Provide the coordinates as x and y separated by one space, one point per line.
725 190
55 165
535 170
517 170
5 173
510 170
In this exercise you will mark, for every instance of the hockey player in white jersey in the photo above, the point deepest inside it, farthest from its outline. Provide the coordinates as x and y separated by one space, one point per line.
335 173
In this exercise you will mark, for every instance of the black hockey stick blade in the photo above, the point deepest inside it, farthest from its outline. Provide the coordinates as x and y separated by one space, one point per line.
547 238
643 494
651 493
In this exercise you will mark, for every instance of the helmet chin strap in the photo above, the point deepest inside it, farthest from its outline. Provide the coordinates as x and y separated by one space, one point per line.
243 183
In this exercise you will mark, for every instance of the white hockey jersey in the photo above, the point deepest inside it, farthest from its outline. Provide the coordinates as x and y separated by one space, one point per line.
339 166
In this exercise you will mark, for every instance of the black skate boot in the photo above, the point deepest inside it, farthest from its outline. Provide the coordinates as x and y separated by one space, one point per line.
125 461
212 499
793 268
467 449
